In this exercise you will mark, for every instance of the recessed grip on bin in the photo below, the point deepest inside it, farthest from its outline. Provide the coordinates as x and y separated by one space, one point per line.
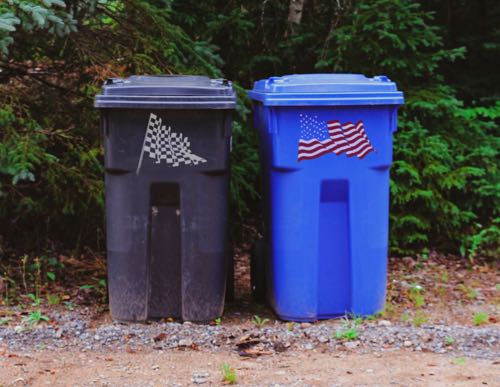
165 252
335 258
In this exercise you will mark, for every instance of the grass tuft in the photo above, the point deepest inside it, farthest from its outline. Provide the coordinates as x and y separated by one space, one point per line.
228 374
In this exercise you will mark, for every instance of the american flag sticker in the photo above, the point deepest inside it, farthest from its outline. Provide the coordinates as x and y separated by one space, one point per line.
318 138
163 145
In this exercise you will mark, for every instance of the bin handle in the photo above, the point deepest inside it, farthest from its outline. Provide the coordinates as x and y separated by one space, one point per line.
381 78
271 80
221 81
113 81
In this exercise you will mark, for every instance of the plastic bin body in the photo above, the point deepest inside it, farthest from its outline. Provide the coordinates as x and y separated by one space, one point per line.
326 217
166 199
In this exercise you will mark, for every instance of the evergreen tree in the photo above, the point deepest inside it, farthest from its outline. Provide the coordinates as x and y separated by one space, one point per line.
54 56
31 16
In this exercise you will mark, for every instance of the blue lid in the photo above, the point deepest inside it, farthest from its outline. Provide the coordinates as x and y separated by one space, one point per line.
326 89
167 91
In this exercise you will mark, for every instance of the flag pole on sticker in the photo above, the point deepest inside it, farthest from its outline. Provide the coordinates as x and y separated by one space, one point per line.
148 141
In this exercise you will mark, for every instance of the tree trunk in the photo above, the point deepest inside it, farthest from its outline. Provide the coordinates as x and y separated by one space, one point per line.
294 15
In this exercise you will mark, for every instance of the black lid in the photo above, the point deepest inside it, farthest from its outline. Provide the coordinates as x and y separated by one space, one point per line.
168 92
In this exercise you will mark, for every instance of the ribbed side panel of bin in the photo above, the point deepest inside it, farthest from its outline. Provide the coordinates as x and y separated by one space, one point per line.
326 150
167 143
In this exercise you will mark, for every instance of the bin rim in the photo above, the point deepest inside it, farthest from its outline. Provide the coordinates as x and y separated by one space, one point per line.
166 92
329 89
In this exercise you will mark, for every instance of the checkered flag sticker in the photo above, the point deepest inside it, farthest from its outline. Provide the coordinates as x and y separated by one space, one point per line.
163 145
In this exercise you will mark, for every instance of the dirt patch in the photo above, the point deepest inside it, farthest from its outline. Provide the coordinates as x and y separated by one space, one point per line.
442 289
194 367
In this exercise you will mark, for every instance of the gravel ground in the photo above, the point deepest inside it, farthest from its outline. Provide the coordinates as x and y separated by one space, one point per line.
83 346
75 330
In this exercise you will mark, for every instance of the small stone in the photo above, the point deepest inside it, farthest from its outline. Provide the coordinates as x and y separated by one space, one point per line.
369 370
323 339
185 343
407 343
187 323
200 378
59 333
351 344
305 325
96 337
155 367
384 323
308 346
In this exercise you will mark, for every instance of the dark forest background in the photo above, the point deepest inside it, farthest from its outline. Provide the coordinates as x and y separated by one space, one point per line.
445 56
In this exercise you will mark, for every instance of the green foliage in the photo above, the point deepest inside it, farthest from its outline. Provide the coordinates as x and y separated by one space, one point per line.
54 56
5 320
35 276
259 322
484 241
416 295
99 288
445 175
34 318
480 318
469 292
32 15
449 340
53 299
50 178
389 37
228 374
420 318
349 330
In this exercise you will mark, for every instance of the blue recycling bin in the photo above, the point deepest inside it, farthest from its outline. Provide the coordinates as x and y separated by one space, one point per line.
326 152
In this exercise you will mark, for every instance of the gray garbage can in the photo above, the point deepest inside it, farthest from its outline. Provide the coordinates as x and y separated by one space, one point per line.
166 141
